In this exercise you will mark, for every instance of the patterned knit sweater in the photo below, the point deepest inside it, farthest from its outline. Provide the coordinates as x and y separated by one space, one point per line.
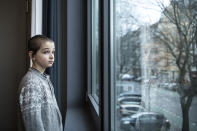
38 109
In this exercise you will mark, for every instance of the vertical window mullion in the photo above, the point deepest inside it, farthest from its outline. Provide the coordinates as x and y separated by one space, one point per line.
106 70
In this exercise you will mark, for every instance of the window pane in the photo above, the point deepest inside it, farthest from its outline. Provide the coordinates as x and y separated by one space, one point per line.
95 50
154 51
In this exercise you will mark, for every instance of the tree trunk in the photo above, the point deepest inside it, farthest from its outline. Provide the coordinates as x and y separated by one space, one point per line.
185 113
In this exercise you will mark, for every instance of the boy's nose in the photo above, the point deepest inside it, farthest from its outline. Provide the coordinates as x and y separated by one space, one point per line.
51 56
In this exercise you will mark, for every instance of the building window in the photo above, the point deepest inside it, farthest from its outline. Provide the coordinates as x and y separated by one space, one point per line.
148 92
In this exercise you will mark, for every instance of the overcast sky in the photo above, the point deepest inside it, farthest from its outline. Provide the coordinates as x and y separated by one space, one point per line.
145 12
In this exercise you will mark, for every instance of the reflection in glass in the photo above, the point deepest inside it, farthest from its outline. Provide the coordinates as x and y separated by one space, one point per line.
95 51
155 56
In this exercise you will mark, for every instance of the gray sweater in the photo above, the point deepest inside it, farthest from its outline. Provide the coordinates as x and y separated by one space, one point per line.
38 109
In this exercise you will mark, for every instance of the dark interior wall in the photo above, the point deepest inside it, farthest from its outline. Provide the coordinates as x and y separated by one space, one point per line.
12 58
76 58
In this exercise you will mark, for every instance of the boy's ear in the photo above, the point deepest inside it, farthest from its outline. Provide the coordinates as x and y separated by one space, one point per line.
30 55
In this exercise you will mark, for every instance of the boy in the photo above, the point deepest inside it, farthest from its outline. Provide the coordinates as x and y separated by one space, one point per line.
37 104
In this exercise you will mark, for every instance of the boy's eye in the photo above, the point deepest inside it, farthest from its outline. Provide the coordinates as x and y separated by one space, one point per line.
45 52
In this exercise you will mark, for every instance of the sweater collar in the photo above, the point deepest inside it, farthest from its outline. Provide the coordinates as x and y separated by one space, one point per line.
44 75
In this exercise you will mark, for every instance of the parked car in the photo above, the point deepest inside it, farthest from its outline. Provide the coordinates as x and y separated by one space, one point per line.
129 100
164 85
126 77
126 110
146 81
145 121
169 86
138 79
173 86
129 94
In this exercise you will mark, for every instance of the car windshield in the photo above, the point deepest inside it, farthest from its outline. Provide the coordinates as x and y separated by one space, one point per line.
133 108
129 95
133 99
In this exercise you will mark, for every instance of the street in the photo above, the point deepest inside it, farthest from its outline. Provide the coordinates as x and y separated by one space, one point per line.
163 101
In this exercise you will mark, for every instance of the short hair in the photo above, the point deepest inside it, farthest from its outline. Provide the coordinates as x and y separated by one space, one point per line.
35 42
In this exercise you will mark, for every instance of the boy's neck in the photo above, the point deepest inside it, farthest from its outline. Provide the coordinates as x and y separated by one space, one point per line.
41 70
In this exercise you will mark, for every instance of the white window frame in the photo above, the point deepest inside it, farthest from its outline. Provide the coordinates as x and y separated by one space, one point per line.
36 18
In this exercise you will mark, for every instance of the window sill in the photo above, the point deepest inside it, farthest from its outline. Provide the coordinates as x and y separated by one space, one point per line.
80 116
94 103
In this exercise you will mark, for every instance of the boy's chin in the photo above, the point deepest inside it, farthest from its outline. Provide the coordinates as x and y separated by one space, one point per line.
50 65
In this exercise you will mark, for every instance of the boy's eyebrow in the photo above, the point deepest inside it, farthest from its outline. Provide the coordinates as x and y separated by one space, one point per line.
47 48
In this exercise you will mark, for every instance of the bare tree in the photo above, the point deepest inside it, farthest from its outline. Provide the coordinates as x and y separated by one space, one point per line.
126 42
177 31
129 59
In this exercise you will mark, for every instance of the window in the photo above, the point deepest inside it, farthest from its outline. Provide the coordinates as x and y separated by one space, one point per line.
95 51
153 52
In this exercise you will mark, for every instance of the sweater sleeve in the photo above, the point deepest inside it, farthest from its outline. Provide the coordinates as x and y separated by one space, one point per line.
30 104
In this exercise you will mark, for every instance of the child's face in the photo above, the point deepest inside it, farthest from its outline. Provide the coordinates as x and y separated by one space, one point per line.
44 57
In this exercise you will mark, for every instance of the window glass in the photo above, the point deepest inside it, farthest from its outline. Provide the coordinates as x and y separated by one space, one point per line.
95 51
154 65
